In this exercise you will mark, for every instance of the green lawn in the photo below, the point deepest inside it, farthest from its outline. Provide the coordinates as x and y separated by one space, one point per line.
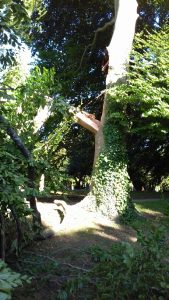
153 206
152 212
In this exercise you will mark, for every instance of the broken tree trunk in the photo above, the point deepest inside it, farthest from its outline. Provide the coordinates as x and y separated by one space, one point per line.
110 181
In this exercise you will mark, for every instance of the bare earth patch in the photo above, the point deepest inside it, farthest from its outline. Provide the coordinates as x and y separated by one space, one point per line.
79 220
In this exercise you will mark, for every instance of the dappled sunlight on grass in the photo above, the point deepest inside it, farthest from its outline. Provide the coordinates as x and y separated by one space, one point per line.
153 206
151 212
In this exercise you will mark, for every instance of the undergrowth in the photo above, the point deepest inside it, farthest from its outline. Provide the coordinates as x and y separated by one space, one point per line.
133 272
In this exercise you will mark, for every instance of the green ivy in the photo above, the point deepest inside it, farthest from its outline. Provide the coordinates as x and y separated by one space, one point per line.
111 184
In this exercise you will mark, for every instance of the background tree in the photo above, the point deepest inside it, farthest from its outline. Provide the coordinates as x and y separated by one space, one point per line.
147 109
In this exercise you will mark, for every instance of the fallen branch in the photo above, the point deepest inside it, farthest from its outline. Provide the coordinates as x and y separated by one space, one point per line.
55 261
75 267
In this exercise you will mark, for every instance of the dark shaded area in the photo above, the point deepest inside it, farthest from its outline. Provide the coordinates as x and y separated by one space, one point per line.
148 160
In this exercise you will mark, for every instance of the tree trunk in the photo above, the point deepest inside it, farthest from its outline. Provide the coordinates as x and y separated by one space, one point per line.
110 181
2 236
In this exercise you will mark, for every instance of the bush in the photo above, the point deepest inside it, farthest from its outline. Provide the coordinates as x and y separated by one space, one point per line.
9 280
133 273
13 208
164 185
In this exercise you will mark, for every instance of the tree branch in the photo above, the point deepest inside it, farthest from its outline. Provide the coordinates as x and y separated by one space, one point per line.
16 139
88 121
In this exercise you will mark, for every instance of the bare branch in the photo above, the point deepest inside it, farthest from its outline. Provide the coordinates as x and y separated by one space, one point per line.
88 121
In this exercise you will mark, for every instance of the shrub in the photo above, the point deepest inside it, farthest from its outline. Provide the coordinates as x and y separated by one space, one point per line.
9 280
164 185
135 272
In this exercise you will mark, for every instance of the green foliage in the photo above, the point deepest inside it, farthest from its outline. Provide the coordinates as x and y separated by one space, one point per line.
131 273
13 16
50 155
42 121
148 83
148 107
13 185
9 280
164 185
14 189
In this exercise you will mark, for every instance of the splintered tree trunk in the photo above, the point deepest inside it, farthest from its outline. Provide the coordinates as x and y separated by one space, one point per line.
110 182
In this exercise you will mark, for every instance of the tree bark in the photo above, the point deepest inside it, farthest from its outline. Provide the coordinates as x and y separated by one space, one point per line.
110 180
110 184
119 50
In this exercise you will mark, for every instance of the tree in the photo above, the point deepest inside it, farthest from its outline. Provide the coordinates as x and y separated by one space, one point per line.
83 81
62 47
33 145
65 46
110 182
146 97
117 200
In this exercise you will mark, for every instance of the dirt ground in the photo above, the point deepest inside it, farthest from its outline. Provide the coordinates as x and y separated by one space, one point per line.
65 254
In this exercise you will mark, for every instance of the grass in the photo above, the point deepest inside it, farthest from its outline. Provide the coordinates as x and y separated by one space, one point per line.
153 206
152 212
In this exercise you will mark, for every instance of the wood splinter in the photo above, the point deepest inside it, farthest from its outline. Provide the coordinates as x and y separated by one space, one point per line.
88 121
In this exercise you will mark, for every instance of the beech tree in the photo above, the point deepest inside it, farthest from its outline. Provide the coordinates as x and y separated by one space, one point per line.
110 181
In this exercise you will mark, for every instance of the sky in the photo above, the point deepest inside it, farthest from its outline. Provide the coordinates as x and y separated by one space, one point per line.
26 58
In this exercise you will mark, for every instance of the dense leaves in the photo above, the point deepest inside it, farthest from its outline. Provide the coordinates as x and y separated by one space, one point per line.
9 280
147 107
13 16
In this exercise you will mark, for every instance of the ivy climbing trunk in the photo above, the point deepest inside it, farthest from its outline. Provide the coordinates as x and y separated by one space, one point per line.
110 181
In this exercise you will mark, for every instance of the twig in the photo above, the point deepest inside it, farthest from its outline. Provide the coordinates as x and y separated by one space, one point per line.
101 94
41 255
30 262
75 267
54 260
2 236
